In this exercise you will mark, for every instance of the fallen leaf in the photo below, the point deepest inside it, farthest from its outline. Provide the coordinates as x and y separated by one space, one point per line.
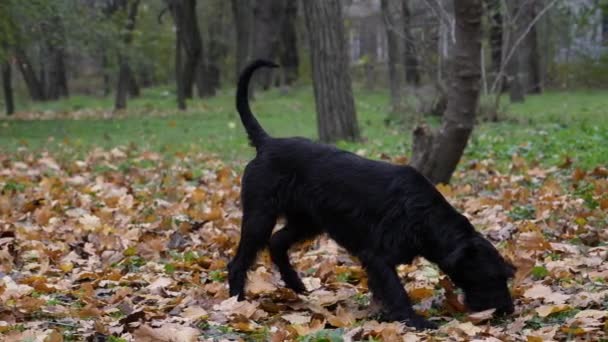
546 310
167 333
297 318
481 316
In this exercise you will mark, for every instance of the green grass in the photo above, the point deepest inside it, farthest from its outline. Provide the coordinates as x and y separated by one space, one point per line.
547 128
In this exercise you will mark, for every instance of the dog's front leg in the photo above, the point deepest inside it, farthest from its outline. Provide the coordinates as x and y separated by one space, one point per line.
386 287
255 232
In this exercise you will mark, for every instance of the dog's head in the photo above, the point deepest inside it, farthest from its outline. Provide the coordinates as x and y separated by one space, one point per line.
482 273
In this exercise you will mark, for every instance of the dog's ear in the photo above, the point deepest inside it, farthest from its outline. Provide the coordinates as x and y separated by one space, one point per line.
504 267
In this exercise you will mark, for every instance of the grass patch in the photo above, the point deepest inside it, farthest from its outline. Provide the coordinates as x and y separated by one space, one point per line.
548 128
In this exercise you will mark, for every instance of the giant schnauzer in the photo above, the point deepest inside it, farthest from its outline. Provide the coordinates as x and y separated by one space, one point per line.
384 214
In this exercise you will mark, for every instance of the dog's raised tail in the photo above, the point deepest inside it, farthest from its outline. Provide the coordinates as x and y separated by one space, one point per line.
255 132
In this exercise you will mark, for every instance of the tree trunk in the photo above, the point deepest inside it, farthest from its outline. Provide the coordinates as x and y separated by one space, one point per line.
7 87
181 94
34 86
516 89
134 90
184 16
209 79
336 115
494 15
57 83
242 11
289 58
369 46
437 154
125 78
533 58
122 87
267 23
105 65
145 73
412 70
393 55
605 25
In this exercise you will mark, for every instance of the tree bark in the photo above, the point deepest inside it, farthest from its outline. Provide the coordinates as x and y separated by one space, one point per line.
57 82
34 86
513 68
369 46
242 12
410 62
494 15
436 155
208 81
289 59
7 87
393 55
181 94
105 65
125 78
336 115
267 23
134 90
605 25
184 16
533 58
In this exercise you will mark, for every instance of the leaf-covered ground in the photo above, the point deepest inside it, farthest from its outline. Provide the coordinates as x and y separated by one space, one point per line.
127 245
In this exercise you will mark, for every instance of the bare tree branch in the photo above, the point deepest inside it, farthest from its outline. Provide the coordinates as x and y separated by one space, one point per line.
443 16
520 39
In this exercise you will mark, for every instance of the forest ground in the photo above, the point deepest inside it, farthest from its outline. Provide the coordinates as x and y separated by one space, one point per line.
120 229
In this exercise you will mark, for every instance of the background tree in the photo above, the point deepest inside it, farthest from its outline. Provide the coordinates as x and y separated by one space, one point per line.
494 17
179 72
55 46
288 56
7 30
267 16
125 74
336 115
209 79
393 53
532 58
242 13
368 31
513 31
7 87
436 154
34 85
410 61
187 31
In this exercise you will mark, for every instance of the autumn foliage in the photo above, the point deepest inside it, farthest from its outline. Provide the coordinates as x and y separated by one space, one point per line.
133 245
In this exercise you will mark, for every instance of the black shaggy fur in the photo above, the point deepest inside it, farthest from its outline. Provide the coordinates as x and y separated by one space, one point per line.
383 214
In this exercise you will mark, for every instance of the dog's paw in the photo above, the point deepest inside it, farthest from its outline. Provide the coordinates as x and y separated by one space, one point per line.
420 323
240 294
411 320
299 288
296 284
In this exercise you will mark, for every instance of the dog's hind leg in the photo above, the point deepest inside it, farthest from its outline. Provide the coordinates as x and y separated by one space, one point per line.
295 231
255 231
386 287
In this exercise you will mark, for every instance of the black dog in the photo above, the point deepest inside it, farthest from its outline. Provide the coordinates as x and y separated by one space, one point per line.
383 214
